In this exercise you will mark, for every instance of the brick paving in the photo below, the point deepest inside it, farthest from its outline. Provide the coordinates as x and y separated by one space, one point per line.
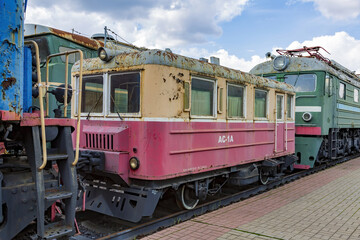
325 205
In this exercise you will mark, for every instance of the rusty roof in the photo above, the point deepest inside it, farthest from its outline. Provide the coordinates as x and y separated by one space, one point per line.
159 57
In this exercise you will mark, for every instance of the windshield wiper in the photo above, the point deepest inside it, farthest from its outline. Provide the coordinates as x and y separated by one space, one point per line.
94 106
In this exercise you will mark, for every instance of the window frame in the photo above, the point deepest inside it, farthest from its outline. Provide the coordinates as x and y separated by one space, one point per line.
357 95
344 91
282 106
215 98
292 106
108 100
244 100
266 102
303 73
85 114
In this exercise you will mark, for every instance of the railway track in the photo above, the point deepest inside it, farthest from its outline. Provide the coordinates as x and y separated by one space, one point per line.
104 227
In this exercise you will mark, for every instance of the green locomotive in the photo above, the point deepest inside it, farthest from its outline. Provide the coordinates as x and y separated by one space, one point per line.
327 113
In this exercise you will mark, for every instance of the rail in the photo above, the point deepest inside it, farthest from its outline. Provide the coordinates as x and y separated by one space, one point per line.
41 103
67 53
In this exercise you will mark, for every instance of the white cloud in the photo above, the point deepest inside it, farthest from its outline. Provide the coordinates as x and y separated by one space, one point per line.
226 59
338 9
163 23
343 48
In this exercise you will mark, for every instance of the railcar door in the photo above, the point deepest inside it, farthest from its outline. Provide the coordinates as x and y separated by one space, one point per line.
279 122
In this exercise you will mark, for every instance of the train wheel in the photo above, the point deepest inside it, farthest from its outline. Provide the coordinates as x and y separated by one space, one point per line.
264 178
186 197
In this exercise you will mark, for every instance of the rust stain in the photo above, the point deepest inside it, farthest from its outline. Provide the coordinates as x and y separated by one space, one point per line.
91 43
8 82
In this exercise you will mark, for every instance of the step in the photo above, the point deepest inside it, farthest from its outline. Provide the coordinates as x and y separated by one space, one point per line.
56 194
57 230
57 156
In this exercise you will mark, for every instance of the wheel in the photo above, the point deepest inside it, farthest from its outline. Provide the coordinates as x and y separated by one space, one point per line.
264 178
186 197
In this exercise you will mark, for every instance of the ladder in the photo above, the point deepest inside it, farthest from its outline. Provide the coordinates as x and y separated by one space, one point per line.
333 142
60 153
53 144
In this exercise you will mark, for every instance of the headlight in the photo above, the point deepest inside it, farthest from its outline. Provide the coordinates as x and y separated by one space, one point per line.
134 163
102 54
306 116
280 62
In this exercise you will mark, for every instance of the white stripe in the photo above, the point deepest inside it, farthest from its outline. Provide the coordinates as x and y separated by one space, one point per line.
308 109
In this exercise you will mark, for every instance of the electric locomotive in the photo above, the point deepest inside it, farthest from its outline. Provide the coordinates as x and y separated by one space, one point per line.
37 162
327 119
155 122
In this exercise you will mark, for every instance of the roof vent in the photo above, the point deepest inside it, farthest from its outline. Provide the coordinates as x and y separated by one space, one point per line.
101 36
215 60
204 59
168 50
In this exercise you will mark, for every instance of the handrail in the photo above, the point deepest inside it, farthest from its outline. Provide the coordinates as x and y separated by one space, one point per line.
77 143
41 103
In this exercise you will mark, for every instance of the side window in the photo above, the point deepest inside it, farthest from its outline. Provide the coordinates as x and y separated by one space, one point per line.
260 103
342 91
279 107
289 106
92 94
235 101
125 93
356 95
202 97
72 57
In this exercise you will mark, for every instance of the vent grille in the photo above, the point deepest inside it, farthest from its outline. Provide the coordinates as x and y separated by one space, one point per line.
99 141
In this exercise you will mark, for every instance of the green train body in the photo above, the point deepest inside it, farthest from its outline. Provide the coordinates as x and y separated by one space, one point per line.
327 118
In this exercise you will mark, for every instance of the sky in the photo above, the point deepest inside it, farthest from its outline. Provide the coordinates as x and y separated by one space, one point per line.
239 32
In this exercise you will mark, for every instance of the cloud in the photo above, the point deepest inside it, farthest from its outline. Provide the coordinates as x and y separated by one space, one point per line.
153 24
226 59
337 9
343 48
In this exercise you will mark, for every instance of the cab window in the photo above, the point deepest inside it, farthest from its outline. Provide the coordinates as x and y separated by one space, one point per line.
125 93
302 82
92 94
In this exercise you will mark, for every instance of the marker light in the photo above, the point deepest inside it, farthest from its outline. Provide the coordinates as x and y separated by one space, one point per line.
134 163
306 116
280 62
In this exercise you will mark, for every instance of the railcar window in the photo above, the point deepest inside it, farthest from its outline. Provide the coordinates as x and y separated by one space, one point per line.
235 101
302 82
260 103
279 106
342 91
125 93
356 95
72 57
92 94
289 106
202 97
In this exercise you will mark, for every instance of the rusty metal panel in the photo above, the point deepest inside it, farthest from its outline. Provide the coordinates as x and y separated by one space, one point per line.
11 55
159 57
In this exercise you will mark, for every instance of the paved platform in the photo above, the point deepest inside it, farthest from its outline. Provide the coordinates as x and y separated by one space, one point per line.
325 205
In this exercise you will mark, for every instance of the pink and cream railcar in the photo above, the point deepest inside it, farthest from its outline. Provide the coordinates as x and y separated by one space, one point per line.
155 121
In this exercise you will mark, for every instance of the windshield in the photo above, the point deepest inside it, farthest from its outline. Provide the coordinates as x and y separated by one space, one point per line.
302 82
